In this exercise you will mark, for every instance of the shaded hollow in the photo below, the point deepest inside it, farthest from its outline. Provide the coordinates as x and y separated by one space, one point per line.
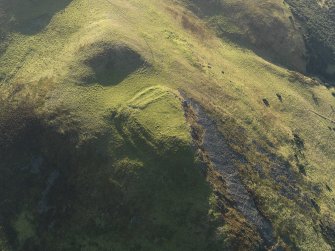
111 64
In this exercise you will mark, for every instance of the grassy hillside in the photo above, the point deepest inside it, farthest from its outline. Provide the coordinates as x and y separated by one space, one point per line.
296 34
267 27
100 152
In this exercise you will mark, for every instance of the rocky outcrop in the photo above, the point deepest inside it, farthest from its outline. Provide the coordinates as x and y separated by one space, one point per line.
225 160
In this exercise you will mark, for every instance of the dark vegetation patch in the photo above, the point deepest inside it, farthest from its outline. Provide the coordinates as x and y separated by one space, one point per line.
188 22
298 145
19 104
30 16
319 31
328 230
111 64
281 174
316 100
315 205
298 141
329 188
286 178
280 97
266 102
302 169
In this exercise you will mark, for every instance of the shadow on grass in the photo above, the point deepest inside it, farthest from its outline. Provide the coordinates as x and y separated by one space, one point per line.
107 195
112 64
30 17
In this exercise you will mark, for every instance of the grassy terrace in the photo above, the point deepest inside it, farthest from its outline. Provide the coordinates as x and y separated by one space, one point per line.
105 131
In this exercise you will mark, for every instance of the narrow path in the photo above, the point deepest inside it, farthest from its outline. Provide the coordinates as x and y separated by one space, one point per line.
322 116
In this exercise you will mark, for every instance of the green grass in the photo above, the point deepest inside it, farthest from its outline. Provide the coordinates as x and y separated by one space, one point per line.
24 227
129 142
267 27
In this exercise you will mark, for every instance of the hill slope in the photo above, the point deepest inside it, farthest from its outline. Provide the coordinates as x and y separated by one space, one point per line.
317 20
148 131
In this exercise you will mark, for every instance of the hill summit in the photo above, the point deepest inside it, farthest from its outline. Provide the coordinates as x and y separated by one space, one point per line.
167 125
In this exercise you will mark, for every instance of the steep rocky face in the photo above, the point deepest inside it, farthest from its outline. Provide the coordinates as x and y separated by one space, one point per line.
317 19
226 161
